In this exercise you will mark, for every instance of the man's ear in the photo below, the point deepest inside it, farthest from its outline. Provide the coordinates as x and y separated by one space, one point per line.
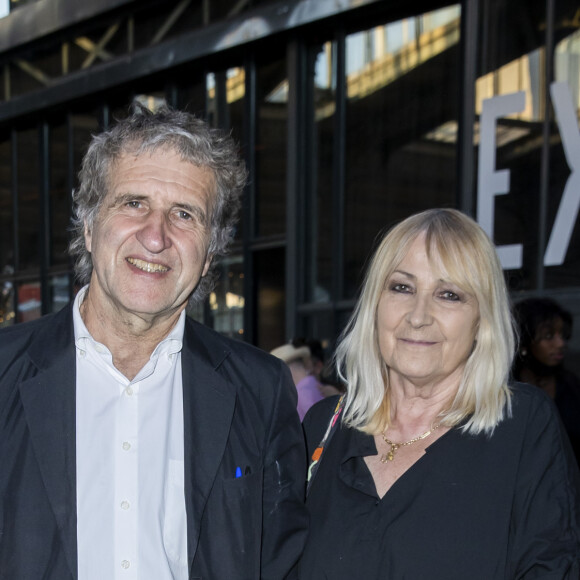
88 237
207 265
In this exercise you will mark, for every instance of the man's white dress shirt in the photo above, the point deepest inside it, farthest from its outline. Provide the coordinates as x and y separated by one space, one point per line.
131 520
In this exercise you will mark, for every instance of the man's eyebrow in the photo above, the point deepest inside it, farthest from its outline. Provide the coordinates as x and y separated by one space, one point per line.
194 210
125 198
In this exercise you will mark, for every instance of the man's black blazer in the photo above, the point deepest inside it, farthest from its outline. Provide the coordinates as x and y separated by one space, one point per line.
239 410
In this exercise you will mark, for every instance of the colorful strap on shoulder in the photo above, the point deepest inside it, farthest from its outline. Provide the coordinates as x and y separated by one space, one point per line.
317 455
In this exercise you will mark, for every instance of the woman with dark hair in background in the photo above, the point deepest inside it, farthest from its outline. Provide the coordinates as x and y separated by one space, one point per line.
545 328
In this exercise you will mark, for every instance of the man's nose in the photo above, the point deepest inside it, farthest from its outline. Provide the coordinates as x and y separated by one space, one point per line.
154 232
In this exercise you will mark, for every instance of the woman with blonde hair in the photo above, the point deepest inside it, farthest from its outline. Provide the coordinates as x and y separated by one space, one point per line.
433 466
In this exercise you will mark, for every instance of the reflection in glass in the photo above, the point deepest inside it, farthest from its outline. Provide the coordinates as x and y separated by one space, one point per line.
567 70
399 78
226 302
6 236
191 97
84 125
60 201
7 313
320 326
152 102
269 283
225 92
29 301
59 292
508 67
229 88
271 143
28 180
319 250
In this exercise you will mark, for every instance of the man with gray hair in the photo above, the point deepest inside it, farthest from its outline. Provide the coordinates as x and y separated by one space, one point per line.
136 443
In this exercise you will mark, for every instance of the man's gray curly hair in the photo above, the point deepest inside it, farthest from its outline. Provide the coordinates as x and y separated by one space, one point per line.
145 131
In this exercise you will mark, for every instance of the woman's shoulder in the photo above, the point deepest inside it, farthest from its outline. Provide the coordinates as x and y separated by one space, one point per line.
533 410
528 396
317 418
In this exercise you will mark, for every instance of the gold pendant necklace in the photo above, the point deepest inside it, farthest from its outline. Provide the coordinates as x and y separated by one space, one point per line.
390 455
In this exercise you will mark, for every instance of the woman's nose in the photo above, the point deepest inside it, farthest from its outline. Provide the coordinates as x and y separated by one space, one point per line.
559 340
420 312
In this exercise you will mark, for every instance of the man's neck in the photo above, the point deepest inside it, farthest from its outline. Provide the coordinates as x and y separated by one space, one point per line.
131 340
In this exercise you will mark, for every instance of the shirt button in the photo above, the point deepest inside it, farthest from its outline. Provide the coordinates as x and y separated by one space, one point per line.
125 505
125 564
129 391
126 445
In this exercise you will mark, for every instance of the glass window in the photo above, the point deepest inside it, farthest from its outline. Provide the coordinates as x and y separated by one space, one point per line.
29 301
60 196
59 292
512 66
28 183
271 148
83 125
320 326
191 97
225 109
399 158
319 248
7 315
226 302
564 186
269 283
152 101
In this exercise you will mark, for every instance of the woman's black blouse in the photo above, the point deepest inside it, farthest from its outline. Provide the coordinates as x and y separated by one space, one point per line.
472 508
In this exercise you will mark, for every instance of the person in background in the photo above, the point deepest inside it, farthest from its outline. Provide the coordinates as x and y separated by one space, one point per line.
329 382
135 442
433 465
298 358
544 330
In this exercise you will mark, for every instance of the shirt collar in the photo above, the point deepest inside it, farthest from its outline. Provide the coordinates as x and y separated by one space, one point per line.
171 344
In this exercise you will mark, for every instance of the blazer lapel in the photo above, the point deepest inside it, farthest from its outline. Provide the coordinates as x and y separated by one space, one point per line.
49 403
208 402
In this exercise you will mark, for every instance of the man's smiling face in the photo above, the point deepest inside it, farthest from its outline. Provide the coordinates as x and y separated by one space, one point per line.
149 243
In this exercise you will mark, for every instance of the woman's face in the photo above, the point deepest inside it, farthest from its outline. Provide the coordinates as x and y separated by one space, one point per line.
426 324
550 343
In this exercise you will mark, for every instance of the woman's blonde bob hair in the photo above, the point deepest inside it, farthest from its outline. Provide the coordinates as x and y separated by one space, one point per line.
469 260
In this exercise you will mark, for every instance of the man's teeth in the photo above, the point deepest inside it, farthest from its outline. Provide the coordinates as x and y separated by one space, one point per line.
147 266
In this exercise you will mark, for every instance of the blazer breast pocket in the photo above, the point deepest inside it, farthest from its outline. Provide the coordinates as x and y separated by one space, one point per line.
231 532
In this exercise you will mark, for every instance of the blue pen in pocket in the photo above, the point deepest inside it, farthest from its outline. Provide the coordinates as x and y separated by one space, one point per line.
238 472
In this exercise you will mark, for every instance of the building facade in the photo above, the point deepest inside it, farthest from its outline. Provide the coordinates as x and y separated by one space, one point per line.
351 115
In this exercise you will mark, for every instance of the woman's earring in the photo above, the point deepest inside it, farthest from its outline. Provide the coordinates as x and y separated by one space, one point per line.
524 352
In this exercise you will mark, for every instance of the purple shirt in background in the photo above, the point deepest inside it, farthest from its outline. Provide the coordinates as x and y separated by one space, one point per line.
308 394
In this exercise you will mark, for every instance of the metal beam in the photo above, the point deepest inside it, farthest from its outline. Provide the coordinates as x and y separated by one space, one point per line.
465 154
33 71
224 35
170 21
39 19
98 50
